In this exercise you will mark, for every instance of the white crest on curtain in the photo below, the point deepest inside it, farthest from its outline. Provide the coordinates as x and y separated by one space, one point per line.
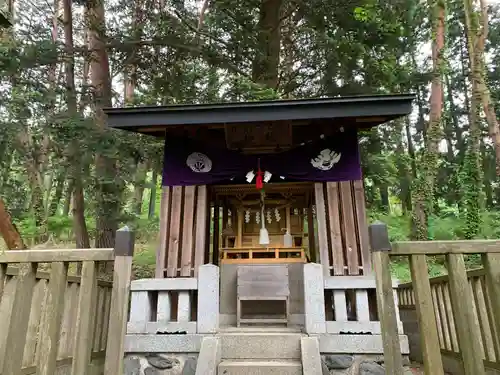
199 163
325 160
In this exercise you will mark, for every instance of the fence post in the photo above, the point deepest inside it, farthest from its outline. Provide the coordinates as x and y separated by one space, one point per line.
117 327
380 247
431 351
208 299
314 298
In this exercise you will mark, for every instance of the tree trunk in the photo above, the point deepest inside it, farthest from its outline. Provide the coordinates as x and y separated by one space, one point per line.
108 191
56 200
67 198
152 196
471 174
267 56
8 230
75 186
140 180
424 189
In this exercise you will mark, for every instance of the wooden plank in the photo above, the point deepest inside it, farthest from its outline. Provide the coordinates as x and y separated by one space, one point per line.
99 319
201 228
439 323
51 321
5 313
322 230
387 314
73 313
462 303
187 231
85 319
47 256
3 278
161 252
491 319
105 325
444 317
348 227
433 364
337 250
118 318
175 232
445 247
19 319
491 263
364 243
488 344
451 319
37 306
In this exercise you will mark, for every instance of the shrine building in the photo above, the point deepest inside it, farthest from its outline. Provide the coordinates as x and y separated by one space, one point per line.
263 220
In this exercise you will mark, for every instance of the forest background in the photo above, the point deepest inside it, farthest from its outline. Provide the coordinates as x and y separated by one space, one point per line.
68 181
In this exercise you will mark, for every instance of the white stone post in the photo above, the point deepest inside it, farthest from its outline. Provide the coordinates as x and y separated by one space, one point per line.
314 298
208 299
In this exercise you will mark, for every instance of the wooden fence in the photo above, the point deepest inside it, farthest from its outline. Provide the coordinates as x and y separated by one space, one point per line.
462 316
443 310
51 321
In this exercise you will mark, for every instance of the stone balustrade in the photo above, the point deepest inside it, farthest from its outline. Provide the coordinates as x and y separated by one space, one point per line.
341 304
176 305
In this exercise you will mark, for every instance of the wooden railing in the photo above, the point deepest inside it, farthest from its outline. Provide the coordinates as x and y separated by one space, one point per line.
464 301
443 310
49 320
248 255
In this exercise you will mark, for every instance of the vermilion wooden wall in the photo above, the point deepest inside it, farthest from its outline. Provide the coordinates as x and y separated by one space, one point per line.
183 231
342 228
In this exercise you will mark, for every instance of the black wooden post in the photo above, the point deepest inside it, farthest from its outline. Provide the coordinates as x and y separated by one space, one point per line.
380 247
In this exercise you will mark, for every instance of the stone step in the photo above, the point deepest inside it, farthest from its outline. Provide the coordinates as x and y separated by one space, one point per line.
259 345
260 367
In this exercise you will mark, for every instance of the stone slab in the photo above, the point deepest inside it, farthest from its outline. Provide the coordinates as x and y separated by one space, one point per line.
311 359
314 297
356 344
210 356
260 345
208 299
155 327
163 343
230 319
178 283
373 327
281 367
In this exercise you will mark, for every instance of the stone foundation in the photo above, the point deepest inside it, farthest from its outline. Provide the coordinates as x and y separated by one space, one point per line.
343 364
160 364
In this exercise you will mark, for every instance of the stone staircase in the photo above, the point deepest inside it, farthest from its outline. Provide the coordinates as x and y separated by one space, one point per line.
260 351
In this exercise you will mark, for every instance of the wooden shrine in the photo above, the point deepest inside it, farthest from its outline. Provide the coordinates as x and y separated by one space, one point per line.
218 218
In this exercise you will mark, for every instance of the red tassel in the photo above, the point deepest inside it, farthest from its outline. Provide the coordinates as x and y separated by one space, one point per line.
259 184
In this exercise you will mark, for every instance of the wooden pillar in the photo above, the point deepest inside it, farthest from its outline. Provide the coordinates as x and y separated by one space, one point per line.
215 251
239 233
161 252
288 219
310 234
322 227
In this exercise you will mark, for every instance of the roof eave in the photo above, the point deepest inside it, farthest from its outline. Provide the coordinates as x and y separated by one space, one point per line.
135 118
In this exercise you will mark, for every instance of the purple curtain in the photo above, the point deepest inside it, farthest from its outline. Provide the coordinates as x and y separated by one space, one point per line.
335 158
